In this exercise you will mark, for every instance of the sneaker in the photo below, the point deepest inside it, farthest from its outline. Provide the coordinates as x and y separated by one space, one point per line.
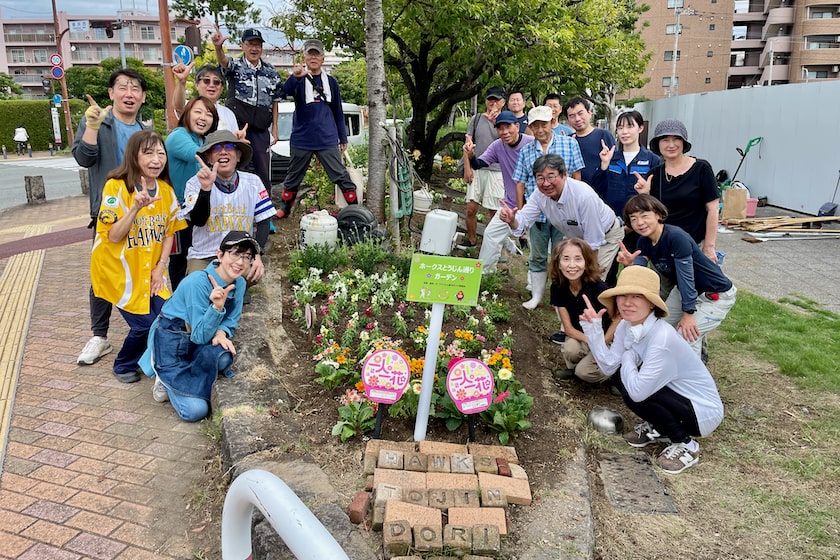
643 435
561 374
246 299
677 457
95 348
159 392
466 244
523 243
128 376
558 338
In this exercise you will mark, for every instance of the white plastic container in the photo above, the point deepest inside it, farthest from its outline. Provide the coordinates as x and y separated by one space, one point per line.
423 200
318 228
439 232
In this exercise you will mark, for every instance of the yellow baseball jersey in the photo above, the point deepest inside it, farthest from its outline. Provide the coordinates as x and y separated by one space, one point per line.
122 272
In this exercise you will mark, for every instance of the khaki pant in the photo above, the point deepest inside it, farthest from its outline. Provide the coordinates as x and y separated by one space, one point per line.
579 357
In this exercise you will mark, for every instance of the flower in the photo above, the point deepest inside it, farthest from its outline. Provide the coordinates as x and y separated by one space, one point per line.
417 387
505 373
501 397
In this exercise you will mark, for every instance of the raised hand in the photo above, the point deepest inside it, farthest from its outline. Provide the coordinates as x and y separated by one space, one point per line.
241 133
624 256
299 70
142 197
218 295
182 71
589 314
606 154
642 185
506 213
206 176
94 115
217 38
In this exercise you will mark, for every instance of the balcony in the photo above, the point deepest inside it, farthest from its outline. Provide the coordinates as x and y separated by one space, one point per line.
744 70
780 73
776 44
777 21
29 38
821 27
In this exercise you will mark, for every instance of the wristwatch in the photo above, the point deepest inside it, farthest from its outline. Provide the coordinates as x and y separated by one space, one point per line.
690 311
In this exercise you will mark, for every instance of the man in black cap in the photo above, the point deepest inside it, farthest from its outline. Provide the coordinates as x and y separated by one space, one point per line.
253 90
318 129
484 186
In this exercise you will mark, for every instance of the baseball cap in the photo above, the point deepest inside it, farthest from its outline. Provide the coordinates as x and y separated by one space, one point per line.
506 117
495 92
252 34
313 45
239 238
539 113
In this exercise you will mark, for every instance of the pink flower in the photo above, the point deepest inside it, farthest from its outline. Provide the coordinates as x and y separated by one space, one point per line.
318 339
325 310
452 362
501 397
370 326
330 299
368 311
480 338
401 307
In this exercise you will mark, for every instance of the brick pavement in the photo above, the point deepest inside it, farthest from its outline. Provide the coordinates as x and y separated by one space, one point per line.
92 468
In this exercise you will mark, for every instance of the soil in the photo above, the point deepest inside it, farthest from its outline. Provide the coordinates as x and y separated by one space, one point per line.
720 512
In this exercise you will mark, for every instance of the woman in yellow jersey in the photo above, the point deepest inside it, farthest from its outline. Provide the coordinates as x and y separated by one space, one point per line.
134 232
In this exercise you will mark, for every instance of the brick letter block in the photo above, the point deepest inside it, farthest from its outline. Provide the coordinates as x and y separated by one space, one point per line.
359 507
516 490
440 447
485 463
439 463
462 464
479 516
505 452
486 539
369 463
387 492
466 498
417 515
379 515
396 538
517 472
403 479
458 539
416 496
503 466
441 499
390 459
428 538
416 462
493 497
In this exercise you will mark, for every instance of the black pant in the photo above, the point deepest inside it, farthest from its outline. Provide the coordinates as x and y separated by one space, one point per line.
178 260
261 161
330 159
670 413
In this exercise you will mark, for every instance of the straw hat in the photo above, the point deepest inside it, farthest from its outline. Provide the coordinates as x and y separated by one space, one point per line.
635 280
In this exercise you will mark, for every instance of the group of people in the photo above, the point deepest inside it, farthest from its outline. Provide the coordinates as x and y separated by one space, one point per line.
632 233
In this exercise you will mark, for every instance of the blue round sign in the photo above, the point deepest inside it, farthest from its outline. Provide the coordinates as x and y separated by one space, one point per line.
182 54
57 72
57 99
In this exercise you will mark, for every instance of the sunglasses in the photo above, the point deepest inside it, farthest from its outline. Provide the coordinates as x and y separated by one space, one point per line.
220 147
208 81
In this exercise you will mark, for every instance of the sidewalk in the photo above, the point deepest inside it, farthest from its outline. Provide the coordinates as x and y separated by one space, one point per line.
91 468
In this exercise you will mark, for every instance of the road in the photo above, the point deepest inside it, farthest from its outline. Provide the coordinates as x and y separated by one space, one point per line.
61 178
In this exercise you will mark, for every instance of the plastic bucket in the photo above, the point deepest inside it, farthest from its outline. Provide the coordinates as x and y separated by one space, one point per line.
423 200
318 228
752 204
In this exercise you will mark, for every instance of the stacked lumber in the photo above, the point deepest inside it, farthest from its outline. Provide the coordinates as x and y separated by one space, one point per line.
786 227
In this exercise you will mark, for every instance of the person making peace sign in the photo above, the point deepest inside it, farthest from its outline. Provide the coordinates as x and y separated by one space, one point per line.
134 233
190 343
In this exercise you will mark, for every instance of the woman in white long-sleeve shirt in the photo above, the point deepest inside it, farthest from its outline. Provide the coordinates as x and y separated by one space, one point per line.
661 379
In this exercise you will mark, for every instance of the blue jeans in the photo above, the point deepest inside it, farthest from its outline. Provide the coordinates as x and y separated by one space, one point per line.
191 409
138 336
539 236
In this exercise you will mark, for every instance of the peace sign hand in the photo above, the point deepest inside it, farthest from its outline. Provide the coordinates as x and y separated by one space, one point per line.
589 314
218 295
206 176
142 197
94 115
217 38
606 154
642 185
625 257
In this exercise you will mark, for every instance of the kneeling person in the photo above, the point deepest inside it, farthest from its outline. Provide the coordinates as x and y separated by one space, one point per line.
190 343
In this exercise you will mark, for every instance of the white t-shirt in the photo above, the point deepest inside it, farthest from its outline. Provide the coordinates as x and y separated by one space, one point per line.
227 120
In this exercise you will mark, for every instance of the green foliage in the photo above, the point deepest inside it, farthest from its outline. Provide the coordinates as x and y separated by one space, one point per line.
331 375
352 77
9 88
368 255
231 15
36 116
317 256
508 415
359 154
355 419
93 81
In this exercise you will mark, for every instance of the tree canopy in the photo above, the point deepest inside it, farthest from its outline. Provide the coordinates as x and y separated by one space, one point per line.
93 81
233 15
446 52
9 88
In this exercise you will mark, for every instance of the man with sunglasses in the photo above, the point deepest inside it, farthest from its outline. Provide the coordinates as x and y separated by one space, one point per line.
210 84
221 198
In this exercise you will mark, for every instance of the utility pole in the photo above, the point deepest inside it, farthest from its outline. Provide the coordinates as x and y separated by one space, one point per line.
65 102
770 76
168 76
672 87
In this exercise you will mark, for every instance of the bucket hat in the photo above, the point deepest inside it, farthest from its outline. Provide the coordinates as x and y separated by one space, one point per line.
669 127
228 137
539 113
635 280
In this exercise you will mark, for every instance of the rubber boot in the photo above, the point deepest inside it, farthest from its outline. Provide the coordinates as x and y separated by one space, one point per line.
287 203
538 280
350 196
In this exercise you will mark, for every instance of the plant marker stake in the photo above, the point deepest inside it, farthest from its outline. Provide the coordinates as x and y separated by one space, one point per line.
471 426
432 345
380 412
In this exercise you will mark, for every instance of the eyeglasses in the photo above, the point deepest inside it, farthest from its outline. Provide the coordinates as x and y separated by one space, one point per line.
237 256
208 81
546 179
220 147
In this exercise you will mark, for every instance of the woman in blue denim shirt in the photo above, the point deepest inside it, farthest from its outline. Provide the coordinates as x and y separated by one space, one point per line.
190 343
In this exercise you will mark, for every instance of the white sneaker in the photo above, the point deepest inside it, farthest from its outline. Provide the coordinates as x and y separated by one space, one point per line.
95 348
159 392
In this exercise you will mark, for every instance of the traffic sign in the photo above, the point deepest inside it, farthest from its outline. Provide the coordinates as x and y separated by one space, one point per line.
57 99
57 72
183 54
55 59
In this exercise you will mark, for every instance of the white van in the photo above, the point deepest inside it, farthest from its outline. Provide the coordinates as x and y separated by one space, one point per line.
354 120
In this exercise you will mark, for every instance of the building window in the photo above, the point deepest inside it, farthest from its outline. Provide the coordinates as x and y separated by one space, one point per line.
147 33
709 54
675 4
102 53
669 55
708 80
39 55
742 6
671 27
711 27
737 58
821 15
666 82
816 74
18 56
739 32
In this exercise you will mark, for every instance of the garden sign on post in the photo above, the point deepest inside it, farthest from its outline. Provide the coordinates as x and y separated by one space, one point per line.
439 280
385 374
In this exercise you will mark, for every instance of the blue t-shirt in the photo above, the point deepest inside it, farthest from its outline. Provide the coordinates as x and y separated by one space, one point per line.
590 149
124 131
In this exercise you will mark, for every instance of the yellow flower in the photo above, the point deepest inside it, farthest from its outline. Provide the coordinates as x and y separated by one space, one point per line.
505 374
506 363
417 387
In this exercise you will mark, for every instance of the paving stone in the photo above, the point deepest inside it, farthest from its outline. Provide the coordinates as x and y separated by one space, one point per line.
454 481
404 479
51 511
49 533
470 517
486 539
632 485
517 471
416 515
428 538
359 507
396 537
505 452
440 447
42 551
517 491
457 538
95 546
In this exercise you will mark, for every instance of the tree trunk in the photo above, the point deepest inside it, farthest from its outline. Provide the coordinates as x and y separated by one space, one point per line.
377 102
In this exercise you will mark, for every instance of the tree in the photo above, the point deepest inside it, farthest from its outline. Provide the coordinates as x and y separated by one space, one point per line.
82 81
9 89
446 52
352 77
377 88
233 15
